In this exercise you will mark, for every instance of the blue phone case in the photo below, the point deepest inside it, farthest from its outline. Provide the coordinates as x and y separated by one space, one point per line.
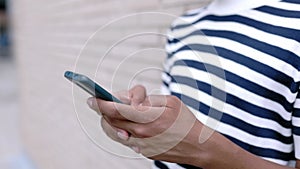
90 86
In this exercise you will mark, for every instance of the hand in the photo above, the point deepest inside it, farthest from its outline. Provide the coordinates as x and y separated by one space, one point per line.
163 128
134 96
160 127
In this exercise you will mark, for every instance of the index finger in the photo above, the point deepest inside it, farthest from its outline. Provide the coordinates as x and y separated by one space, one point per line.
138 114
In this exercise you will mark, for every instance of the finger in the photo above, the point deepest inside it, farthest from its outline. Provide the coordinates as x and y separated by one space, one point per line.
106 108
92 103
108 129
162 101
135 129
155 101
121 133
118 135
124 96
114 135
137 94
138 114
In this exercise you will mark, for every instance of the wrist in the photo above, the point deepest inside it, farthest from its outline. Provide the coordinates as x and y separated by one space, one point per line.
202 138
213 150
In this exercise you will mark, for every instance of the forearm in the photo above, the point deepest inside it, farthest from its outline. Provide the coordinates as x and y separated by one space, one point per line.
222 153
174 136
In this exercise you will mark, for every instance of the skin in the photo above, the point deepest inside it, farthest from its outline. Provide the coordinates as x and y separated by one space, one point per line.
163 128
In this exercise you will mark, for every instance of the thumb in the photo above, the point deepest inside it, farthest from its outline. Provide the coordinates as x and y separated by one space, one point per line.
137 95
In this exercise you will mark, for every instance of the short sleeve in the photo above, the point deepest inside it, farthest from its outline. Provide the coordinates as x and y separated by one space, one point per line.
296 126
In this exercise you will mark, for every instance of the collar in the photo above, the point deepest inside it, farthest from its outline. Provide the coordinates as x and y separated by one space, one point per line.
227 7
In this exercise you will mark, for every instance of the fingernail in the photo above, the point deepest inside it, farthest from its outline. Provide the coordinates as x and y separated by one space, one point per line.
91 102
136 149
122 136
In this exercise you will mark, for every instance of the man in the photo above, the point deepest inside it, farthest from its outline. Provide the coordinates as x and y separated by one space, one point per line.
245 75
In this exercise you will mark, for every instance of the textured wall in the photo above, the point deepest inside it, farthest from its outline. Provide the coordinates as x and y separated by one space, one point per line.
51 36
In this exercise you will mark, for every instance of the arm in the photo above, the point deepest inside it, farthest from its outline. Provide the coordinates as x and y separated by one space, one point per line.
225 154
163 128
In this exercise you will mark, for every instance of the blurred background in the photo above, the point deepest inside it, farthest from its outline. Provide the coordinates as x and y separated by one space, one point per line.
44 121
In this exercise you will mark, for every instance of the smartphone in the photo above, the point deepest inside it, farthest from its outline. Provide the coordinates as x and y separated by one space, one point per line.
90 86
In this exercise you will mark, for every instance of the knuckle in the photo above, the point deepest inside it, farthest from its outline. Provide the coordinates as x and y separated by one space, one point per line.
139 131
140 87
108 110
102 108
97 107
138 90
114 114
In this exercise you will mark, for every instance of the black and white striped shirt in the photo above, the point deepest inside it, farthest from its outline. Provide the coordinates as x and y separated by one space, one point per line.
239 64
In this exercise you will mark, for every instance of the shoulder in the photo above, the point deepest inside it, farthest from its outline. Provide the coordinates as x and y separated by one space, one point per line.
188 17
281 18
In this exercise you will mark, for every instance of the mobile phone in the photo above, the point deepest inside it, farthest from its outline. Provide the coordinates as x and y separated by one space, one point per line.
90 86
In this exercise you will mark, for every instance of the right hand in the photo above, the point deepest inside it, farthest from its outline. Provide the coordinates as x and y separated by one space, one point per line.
135 96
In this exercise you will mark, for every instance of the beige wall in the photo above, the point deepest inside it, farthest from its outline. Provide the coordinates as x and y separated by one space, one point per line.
48 37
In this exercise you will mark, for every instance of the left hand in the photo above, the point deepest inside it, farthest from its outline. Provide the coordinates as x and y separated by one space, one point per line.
161 128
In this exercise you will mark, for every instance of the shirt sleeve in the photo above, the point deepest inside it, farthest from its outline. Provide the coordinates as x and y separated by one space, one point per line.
296 126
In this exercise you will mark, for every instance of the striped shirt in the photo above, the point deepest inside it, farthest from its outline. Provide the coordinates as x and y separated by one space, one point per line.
240 68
